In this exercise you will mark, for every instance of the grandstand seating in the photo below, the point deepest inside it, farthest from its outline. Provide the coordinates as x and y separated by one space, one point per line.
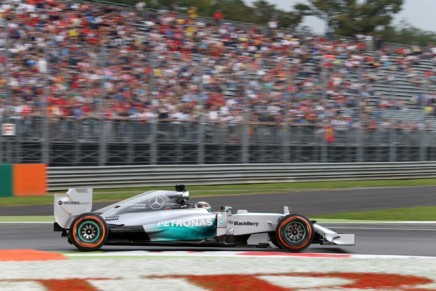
401 90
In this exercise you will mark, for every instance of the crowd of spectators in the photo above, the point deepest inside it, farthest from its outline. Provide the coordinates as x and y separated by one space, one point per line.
86 61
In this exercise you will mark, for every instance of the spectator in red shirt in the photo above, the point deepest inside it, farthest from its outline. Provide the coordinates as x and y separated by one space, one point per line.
218 16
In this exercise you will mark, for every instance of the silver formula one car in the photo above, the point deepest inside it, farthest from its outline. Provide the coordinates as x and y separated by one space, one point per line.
165 218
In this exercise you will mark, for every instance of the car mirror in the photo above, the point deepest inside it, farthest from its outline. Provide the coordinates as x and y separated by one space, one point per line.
227 209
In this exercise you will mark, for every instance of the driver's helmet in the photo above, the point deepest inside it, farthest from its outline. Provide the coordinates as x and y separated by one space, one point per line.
203 204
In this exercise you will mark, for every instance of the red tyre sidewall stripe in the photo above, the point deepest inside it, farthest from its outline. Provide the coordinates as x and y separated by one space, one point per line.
290 219
88 245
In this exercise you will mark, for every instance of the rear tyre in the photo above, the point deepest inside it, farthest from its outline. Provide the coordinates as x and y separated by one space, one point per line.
294 233
88 232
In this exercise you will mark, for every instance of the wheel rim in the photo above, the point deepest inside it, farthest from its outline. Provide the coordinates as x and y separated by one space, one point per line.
295 232
88 231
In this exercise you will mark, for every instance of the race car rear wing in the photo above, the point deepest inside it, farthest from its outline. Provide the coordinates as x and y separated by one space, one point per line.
71 204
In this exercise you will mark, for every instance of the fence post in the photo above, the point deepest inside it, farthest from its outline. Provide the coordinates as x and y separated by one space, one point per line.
393 146
155 119
45 130
153 138
102 136
359 144
324 146
245 135
201 120
423 138
246 138
423 145
5 74
131 126
102 139
77 137
290 82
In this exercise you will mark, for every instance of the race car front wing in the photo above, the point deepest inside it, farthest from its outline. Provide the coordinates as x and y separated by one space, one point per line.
329 237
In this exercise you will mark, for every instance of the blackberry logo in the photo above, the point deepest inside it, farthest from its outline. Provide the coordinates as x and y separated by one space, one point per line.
244 223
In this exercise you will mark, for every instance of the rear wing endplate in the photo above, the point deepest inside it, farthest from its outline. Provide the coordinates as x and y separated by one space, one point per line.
71 204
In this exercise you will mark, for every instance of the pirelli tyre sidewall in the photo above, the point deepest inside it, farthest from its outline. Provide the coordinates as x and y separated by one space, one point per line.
294 232
88 232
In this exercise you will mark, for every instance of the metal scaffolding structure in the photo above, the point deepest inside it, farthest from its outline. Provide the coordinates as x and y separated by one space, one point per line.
129 142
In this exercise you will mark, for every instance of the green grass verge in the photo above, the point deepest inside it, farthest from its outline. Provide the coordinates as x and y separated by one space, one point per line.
427 213
103 195
48 218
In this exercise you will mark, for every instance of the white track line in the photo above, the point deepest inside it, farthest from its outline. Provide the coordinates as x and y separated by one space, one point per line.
238 254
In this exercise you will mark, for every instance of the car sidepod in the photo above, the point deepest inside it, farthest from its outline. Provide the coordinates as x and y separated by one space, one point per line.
182 226
243 223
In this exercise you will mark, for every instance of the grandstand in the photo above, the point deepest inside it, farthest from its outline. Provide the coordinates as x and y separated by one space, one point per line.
401 89
117 87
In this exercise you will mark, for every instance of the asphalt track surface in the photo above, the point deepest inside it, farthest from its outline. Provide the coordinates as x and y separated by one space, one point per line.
374 239
408 239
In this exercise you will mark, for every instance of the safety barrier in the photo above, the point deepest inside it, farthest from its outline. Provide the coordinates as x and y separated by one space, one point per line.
61 178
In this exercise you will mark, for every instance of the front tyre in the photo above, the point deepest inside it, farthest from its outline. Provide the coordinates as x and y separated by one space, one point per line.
273 239
294 233
88 232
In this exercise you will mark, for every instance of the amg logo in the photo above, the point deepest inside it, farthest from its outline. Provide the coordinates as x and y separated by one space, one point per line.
244 223
139 206
187 223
